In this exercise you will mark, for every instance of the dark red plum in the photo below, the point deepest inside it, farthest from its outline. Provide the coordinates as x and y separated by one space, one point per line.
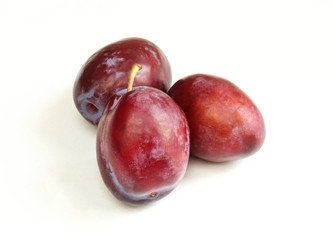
142 145
107 71
224 122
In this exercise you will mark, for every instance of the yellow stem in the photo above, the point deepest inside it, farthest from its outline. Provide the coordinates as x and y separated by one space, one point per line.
135 69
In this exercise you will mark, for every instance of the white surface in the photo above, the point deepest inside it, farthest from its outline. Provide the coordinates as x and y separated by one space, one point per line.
278 52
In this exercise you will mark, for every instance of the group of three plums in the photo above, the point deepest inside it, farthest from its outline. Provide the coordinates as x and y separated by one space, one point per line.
146 131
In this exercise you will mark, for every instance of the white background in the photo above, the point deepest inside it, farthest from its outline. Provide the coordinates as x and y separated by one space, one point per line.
279 52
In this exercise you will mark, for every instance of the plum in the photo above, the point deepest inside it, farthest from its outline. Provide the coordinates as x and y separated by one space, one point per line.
107 71
224 122
142 145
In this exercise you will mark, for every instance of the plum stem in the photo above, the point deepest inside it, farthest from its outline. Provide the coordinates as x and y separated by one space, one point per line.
135 69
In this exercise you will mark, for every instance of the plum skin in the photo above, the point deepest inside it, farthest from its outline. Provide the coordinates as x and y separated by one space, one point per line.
224 122
107 72
142 145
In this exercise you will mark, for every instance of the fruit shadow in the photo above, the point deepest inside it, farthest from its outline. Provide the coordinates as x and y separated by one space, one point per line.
198 168
72 171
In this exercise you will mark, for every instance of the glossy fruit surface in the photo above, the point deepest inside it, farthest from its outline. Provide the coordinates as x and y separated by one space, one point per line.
107 72
224 122
142 145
